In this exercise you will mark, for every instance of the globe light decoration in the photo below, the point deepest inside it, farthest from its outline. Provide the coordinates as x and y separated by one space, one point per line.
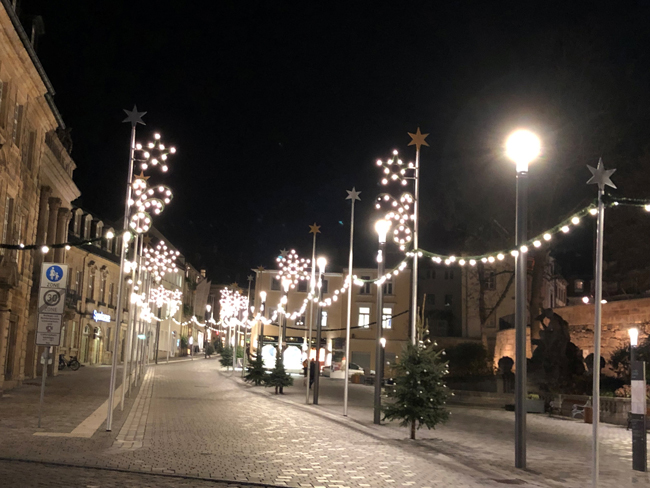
399 210
153 154
160 260
293 269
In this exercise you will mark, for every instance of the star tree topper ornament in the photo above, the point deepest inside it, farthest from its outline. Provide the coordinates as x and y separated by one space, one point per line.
418 139
352 195
601 176
134 117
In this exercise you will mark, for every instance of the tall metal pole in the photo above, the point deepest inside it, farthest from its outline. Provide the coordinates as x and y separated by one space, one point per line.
380 330
129 333
352 195
319 319
134 117
417 139
46 358
521 273
314 229
600 176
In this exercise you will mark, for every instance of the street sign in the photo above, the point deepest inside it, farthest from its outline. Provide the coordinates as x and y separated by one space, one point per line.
54 275
51 300
51 303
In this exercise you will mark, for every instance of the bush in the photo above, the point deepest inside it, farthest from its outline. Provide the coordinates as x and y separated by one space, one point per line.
469 359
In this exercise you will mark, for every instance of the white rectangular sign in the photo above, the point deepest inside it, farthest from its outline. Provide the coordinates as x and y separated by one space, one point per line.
48 330
54 275
51 300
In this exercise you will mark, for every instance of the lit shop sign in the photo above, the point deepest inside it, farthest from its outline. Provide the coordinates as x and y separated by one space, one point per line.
101 317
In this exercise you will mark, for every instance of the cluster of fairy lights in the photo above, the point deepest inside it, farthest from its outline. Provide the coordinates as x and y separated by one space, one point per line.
145 198
400 210
231 304
564 227
160 260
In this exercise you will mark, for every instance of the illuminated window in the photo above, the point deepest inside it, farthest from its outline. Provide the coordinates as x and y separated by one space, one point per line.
387 318
364 317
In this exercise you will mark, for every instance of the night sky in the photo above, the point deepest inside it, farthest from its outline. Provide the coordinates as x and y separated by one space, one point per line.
277 108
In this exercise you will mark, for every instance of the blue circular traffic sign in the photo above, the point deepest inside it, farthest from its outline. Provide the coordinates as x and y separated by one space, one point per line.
54 273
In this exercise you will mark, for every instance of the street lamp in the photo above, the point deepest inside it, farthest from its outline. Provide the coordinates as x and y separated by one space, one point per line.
382 227
522 147
634 340
260 342
321 263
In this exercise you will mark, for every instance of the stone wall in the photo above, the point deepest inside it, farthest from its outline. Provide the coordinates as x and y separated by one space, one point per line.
617 318
505 345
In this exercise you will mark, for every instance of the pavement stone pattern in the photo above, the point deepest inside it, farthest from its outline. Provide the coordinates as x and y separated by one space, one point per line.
12 475
132 432
204 423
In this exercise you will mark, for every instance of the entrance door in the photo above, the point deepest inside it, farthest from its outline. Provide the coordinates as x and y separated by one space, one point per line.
83 353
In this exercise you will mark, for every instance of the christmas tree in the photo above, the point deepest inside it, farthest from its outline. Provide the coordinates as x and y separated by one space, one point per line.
278 376
226 356
255 372
419 394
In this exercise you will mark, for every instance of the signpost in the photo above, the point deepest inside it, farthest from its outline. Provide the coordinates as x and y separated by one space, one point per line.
638 417
51 302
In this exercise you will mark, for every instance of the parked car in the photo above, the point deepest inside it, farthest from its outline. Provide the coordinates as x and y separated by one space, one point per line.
353 369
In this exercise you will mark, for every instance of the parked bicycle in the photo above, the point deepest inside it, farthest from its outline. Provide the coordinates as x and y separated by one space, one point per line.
73 363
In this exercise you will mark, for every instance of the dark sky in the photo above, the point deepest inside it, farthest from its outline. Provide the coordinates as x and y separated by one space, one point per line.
277 108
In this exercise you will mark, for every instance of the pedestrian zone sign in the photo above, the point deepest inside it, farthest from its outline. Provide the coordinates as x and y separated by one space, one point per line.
51 303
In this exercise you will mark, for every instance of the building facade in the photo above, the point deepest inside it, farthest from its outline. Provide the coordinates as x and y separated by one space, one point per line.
363 320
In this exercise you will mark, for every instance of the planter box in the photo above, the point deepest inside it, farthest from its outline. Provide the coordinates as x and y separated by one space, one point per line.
534 405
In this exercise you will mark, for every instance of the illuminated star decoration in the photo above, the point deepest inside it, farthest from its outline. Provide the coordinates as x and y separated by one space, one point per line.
250 278
261 268
315 229
418 139
283 253
134 117
600 176
353 195
142 176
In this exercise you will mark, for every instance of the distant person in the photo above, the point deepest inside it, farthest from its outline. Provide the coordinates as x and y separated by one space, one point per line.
305 365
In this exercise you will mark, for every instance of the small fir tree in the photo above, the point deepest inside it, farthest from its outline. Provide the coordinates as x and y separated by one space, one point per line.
255 372
226 357
218 345
419 394
278 376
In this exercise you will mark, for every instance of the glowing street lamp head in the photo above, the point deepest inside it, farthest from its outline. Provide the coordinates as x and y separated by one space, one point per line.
382 226
522 147
263 296
208 307
321 262
634 336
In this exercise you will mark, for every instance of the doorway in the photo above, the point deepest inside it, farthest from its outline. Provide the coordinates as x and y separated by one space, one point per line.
83 353
10 358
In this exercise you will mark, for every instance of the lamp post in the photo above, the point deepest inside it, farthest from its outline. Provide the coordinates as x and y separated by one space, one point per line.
260 342
381 226
522 147
321 262
353 195
634 340
313 229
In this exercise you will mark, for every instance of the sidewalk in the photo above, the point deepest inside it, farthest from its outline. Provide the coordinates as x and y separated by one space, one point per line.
558 450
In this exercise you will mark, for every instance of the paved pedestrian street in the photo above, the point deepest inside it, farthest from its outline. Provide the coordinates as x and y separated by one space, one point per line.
191 422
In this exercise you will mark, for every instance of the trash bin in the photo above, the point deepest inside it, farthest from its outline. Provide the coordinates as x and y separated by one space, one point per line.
589 415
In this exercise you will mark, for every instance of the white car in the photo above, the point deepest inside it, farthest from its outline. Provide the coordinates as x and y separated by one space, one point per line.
353 369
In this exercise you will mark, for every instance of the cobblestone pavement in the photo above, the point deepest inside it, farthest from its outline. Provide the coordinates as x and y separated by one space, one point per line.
559 450
12 475
194 420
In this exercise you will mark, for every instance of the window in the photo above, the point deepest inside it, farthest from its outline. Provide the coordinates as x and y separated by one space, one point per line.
127 294
30 149
323 318
69 279
324 286
449 274
108 339
91 286
111 289
433 274
388 287
302 285
364 317
79 280
77 223
8 220
17 125
3 102
579 285
86 234
387 318
73 335
102 288
275 284
448 300
365 289
490 280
